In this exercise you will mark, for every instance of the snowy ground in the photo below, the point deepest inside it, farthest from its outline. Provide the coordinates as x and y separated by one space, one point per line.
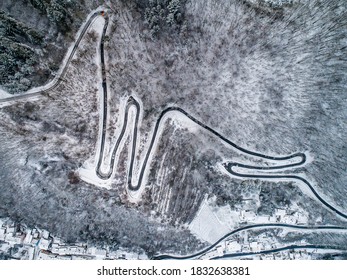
207 226
4 94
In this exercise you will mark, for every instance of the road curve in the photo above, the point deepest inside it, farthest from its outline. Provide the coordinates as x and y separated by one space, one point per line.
258 226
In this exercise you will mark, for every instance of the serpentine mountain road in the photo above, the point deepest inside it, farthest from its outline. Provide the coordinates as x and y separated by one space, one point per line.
278 163
228 166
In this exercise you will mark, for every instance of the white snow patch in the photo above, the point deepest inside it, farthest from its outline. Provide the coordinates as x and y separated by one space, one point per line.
88 174
228 217
207 226
4 94
309 157
183 121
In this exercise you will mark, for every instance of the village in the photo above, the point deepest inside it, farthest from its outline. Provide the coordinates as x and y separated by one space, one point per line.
20 242
246 247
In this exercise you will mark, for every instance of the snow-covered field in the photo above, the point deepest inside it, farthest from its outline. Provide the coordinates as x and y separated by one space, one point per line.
207 226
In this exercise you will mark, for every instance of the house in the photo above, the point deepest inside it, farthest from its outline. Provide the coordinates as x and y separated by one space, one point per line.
44 243
220 251
2 233
233 246
28 237
255 246
45 234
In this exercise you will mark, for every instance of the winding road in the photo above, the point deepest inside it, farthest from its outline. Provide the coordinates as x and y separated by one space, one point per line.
280 161
277 163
